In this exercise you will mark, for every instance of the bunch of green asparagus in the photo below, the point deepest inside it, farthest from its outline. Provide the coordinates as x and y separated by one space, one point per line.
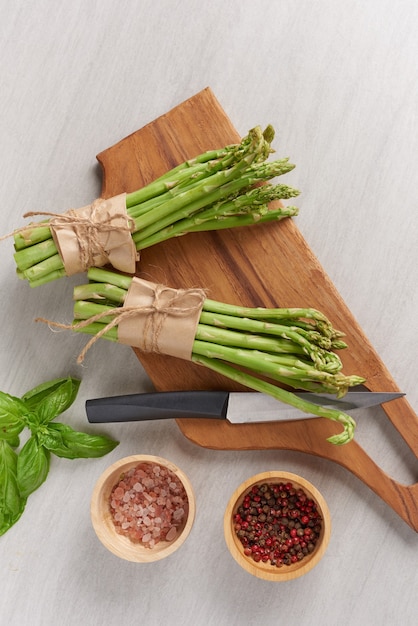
215 190
293 347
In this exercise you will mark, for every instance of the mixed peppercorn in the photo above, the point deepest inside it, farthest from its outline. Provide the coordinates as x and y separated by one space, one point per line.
277 524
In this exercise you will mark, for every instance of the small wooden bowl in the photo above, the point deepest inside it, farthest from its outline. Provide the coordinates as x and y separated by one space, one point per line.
101 516
267 571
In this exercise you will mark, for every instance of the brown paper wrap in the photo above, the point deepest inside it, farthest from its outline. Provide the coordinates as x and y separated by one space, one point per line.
161 319
95 235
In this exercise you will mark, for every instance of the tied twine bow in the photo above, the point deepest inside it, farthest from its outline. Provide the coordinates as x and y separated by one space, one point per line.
89 228
167 303
83 237
86 237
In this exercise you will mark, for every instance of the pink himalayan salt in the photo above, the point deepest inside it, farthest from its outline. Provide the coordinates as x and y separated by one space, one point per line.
149 504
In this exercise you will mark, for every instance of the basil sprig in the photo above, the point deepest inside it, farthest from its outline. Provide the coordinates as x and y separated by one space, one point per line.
23 471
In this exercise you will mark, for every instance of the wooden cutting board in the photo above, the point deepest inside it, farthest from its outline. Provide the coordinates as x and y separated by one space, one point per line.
267 265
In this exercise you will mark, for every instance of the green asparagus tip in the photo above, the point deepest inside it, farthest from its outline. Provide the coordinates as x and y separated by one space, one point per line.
347 434
339 345
269 133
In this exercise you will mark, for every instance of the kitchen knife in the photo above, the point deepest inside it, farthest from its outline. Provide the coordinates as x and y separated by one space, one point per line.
236 407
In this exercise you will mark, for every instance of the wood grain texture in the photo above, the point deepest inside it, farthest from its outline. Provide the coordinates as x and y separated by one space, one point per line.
265 265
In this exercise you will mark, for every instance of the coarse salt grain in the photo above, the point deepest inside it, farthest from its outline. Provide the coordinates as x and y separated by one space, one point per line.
140 506
178 514
171 533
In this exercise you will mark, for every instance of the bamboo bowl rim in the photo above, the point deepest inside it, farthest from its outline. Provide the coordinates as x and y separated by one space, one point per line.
101 516
267 571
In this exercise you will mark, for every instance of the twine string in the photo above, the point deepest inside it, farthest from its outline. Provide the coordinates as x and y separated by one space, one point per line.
156 314
22 229
87 229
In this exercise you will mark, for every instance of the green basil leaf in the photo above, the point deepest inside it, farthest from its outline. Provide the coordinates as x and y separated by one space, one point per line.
12 504
65 442
12 411
32 421
32 466
14 442
38 393
52 398
50 438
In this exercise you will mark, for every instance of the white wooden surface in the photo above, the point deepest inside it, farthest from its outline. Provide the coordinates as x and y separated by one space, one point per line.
339 82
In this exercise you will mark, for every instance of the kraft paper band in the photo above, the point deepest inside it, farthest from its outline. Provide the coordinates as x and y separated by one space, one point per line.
161 319
95 235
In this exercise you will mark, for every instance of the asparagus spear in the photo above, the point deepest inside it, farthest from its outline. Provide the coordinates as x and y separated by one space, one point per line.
210 192
287 346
